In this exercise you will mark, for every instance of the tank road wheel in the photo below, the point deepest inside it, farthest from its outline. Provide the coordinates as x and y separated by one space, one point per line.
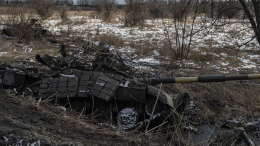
127 118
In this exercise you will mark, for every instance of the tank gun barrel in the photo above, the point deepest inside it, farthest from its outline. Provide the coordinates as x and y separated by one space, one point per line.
204 78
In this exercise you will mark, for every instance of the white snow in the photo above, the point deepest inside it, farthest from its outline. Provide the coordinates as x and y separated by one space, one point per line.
29 89
3 53
190 127
62 107
70 76
127 118
5 139
245 121
37 143
27 49
124 85
153 38
148 60
19 142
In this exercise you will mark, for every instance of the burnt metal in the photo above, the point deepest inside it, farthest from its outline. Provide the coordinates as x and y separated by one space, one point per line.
105 85
63 51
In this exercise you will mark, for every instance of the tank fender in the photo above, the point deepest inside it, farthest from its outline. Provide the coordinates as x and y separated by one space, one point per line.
163 97
129 94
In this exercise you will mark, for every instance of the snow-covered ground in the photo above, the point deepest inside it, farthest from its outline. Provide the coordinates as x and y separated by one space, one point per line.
220 43
19 142
154 33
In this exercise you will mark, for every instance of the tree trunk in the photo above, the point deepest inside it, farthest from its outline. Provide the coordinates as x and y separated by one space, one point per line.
255 25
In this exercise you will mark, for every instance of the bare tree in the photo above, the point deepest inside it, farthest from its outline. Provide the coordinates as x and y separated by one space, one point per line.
98 6
179 41
79 2
44 8
157 8
108 7
2 1
253 18
20 23
83 3
134 12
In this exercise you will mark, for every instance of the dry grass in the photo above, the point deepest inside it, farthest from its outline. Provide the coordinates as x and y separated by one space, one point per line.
79 13
142 47
20 52
3 10
220 101
77 124
226 95
197 57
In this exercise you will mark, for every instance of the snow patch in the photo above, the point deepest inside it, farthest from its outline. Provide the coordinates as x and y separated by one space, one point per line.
124 85
27 49
3 53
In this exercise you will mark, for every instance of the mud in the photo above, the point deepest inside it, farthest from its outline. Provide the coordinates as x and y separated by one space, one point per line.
22 122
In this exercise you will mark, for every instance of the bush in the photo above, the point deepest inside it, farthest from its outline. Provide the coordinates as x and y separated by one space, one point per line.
135 13
44 8
22 25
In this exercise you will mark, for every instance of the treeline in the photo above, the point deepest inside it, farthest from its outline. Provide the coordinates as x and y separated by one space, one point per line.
83 3
158 8
55 2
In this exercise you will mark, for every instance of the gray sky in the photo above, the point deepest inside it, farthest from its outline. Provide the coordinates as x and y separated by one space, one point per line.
120 1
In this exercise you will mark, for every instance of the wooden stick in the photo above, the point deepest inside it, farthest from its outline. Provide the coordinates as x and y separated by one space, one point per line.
153 108
157 126
81 113
49 97
38 103
136 129
174 110
69 101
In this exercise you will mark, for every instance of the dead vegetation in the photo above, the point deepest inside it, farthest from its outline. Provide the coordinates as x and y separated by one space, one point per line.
56 125
220 101
215 101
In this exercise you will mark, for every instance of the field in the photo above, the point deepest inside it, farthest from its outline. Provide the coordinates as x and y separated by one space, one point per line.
212 50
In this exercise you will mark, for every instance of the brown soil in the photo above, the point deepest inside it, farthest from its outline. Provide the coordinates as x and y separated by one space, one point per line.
22 119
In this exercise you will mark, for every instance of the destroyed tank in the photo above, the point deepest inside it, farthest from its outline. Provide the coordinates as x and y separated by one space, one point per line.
114 98
105 90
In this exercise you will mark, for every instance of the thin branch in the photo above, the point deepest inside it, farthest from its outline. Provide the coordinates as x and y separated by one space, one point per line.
247 42
153 108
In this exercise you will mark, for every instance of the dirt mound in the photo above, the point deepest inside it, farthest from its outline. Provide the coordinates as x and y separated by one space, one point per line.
22 122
